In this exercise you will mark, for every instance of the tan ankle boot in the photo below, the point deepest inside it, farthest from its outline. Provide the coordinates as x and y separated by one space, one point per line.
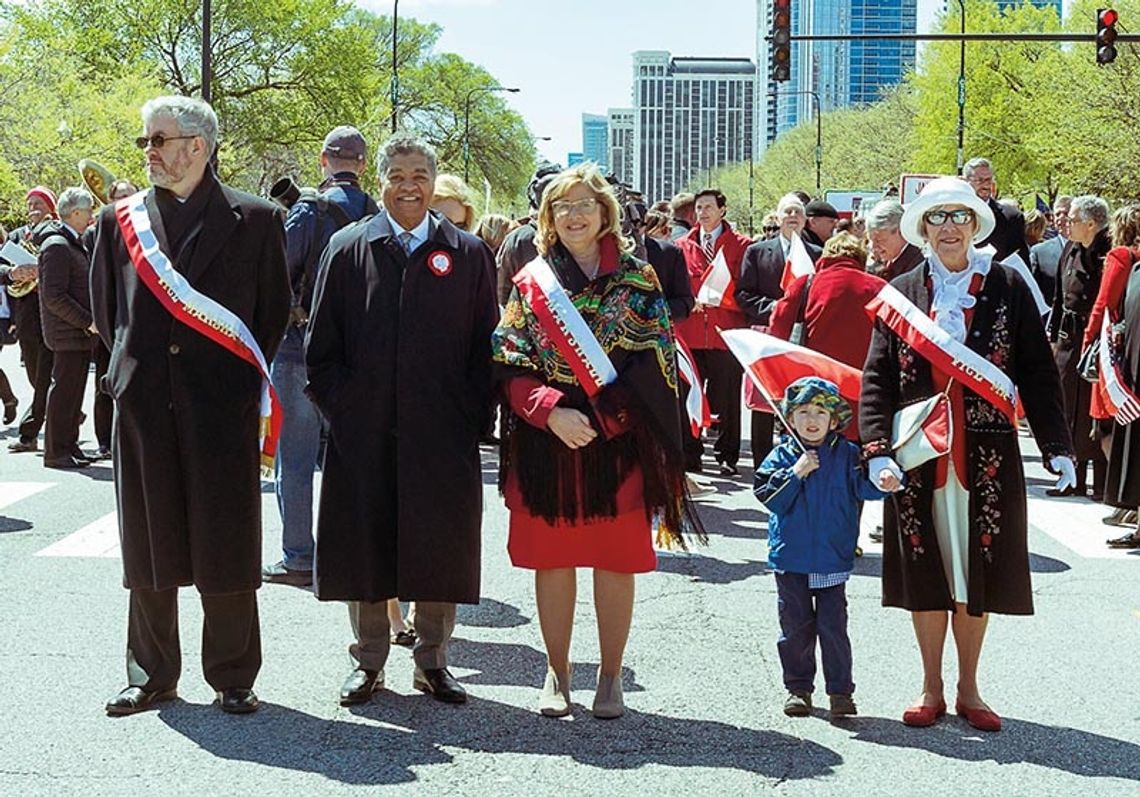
608 702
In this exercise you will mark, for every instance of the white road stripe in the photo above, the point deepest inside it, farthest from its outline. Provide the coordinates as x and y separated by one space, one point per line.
99 539
11 492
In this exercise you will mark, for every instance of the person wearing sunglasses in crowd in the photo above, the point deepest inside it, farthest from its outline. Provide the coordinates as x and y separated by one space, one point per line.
955 547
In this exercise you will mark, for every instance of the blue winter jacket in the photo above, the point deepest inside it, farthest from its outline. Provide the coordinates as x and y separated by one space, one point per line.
813 523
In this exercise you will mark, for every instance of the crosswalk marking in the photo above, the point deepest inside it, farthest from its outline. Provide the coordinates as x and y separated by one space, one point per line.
98 540
11 492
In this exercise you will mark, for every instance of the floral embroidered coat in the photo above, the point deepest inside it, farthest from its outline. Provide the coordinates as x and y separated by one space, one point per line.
1006 330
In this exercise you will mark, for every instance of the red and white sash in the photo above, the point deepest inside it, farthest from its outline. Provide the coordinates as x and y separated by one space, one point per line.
568 331
943 352
1125 403
197 311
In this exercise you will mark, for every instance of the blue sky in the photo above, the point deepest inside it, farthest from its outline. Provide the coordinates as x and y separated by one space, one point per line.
574 56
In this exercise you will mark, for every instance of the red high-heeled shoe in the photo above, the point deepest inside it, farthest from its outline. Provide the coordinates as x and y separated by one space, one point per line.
981 718
924 716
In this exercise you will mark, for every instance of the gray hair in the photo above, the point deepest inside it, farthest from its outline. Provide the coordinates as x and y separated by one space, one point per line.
1064 198
973 164
73 199
1090 208
404 144
885 215
193 116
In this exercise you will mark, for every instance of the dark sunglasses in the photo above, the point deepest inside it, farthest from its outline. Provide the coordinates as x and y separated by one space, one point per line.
158 140
939 217
771 229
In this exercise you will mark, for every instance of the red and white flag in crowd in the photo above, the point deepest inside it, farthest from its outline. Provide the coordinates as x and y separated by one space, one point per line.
773 364
1125 404
696 403
717 288
797 265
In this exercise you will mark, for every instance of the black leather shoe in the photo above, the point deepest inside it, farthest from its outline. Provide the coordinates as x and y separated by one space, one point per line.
238 700
20 446
66 463
79 453
134 699
727 470
1053 492
279 574
439 684
103 454
1128 541
360 685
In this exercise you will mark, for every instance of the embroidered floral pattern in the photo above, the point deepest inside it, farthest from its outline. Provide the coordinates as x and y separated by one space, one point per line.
909 515
1000 338
908 361
981 416
987 495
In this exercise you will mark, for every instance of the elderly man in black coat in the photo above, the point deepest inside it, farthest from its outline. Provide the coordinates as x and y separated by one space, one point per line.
1008 237
399 361
65 313
188 416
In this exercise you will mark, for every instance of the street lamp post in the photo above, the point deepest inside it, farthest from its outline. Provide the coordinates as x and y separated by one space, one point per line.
467 124
818 129
962 89
395 72
206 50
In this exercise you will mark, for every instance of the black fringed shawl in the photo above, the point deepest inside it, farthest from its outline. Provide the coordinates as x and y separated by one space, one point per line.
628 315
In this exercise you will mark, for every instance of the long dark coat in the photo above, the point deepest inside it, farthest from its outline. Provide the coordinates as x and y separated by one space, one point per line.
399 359
65 298
1078 282
1007 330
1122 487
186 426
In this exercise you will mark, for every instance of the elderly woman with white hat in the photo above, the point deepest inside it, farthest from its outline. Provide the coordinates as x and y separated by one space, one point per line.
957 342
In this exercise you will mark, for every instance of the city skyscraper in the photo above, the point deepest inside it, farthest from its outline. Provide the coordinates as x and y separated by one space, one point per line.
841 73
691 115
621 143
596 139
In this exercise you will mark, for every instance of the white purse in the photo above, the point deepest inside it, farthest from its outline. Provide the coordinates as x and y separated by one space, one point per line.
921 432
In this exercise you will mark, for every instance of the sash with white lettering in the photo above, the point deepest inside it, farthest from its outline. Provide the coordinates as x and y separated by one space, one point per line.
1125 403
198 311
942 351
568 331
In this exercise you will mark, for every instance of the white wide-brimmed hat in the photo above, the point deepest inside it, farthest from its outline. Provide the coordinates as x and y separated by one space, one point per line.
945 191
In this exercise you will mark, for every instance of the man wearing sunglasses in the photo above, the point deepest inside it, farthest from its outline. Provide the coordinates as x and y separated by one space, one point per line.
189 394
1008 237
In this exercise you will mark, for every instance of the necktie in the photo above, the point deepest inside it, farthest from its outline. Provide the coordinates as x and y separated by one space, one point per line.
707 246
406 241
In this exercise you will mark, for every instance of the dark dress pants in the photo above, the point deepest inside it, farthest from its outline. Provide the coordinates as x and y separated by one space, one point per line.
807 615
104 404
65 403
763 426
231 640
722 374
37 362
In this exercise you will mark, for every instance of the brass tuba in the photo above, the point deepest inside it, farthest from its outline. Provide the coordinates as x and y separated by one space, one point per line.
97 179
18 290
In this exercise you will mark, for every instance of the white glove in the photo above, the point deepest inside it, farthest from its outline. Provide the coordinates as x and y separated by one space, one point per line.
1065 470
876 465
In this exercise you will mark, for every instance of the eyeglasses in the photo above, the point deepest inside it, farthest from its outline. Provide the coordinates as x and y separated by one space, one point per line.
566 207
979 180
937 218
771 229
158 140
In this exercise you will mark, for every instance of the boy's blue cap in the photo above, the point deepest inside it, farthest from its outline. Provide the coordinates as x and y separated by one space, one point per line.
815 390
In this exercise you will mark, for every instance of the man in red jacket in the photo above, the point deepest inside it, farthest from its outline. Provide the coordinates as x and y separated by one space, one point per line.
722 373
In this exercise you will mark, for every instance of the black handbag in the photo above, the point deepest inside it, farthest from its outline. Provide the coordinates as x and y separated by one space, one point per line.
1088 366
799 335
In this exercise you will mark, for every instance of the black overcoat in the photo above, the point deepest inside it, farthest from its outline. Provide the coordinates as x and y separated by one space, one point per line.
65 298
1006 329
186 425
398 352
1078 282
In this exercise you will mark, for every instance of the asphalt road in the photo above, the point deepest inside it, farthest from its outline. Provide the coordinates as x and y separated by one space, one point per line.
702 679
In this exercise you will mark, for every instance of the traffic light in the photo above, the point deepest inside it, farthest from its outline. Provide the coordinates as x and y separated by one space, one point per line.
781 40
1106 19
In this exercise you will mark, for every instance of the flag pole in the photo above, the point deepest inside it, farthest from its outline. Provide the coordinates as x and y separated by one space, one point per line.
775 405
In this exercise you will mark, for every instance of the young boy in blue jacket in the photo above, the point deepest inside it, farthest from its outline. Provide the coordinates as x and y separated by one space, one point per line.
813 494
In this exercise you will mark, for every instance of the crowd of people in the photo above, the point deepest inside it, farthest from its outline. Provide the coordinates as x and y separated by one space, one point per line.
383 342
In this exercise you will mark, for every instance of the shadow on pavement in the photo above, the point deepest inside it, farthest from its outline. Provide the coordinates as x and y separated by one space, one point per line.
1066 749
725 522
707 570
415 728
11 524
490 613
512 664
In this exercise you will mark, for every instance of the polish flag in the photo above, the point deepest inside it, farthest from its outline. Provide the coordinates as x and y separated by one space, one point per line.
773 364
797 265
717 288
696 403
1125 404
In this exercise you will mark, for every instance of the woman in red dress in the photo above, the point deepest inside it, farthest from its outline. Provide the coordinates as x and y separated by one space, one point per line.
587 472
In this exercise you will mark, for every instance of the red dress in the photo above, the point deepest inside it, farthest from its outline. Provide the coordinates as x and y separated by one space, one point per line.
1117 269
623 544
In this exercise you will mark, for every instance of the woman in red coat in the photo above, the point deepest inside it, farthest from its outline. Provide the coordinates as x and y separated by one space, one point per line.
835 321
